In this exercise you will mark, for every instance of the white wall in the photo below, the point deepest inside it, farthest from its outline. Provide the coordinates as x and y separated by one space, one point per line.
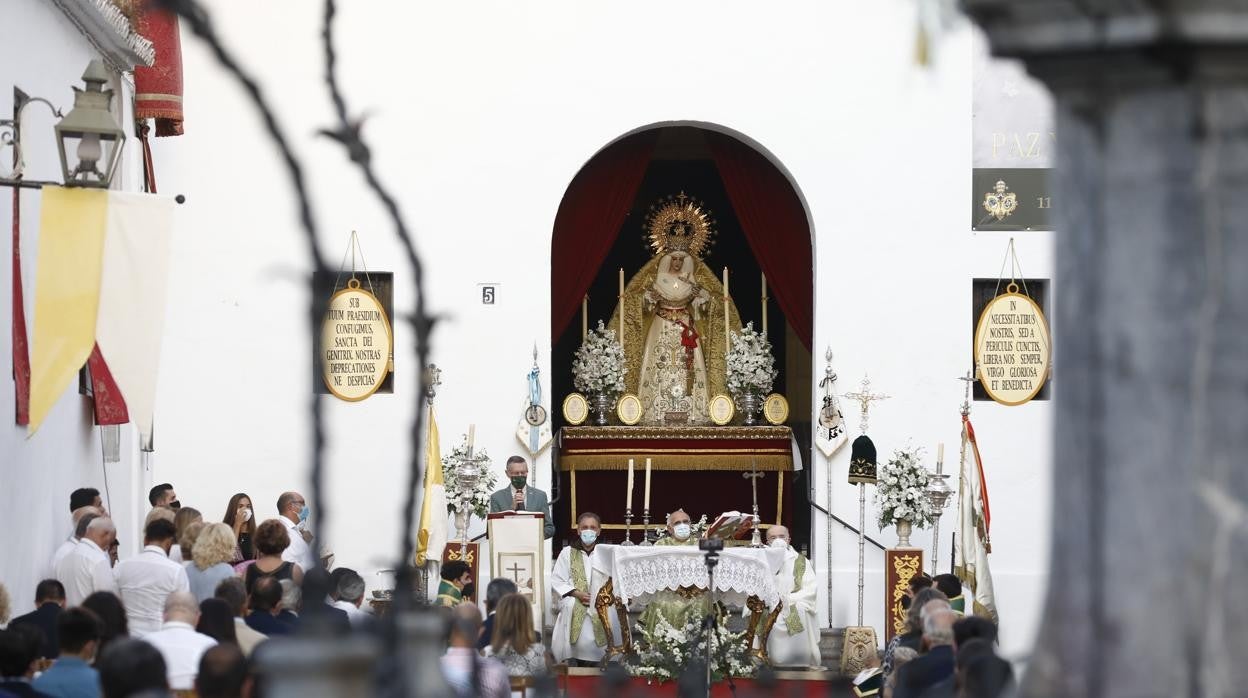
480 114
43 54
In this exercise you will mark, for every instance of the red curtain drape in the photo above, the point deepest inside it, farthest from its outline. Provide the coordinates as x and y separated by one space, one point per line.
774 222
589 221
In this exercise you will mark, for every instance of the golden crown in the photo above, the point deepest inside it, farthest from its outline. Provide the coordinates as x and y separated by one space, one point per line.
679 223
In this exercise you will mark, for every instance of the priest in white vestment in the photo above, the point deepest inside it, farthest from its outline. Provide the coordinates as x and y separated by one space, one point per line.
794 639
578 633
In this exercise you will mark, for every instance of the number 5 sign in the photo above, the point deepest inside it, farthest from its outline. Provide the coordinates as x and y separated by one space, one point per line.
489 293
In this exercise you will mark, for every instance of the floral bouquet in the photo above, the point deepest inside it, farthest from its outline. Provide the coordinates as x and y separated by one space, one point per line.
751 367
902 490
479 496
669 651
598 368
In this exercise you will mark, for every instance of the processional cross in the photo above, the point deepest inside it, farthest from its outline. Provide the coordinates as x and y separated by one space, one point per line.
753 476
864 397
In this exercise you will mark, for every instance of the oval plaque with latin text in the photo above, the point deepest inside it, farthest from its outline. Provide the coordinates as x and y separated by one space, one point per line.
1012 348
356 343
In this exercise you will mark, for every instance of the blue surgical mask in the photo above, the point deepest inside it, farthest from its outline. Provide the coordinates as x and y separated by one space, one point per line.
304 513
589 536
681 530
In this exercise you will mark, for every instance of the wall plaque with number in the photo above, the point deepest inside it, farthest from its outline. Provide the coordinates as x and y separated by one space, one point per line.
1012 348
356 343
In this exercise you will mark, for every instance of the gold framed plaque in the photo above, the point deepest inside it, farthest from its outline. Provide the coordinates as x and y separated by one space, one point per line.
721 409
628 409
1013 352
575 409
776 409
356 343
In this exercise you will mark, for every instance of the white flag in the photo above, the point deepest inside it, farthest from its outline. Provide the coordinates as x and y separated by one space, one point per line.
830 432
534 428
970 561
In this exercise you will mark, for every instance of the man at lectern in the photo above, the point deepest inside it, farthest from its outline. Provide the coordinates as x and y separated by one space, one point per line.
518 496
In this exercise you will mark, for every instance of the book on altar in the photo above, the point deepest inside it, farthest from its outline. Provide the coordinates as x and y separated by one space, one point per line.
731 525
517 512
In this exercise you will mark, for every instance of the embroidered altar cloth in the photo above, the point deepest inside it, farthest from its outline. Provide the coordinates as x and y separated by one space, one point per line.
639 572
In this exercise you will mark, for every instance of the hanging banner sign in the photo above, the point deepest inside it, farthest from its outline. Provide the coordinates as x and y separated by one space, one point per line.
1012 348
356 344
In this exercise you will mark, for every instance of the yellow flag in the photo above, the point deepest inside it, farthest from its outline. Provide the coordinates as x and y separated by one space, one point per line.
431 537
67 291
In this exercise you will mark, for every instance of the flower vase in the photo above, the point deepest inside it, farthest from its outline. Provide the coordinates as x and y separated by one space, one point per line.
750 405
601 408
903 533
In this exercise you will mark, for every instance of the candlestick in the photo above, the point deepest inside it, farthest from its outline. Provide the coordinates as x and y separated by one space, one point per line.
585 318
628 527
645 526
764 305
628 499
647 500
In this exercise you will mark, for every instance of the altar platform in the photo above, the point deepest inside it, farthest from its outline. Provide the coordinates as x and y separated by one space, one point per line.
698 469
591 683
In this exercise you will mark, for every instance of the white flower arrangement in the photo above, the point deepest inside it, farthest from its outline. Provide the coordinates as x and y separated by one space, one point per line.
599 364
479 497
902 490
669 651
751 367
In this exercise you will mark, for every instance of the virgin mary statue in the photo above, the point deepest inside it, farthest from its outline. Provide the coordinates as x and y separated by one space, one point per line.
673 366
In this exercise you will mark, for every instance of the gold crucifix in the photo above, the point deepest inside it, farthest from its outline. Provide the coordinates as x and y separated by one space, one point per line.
753 477
864 397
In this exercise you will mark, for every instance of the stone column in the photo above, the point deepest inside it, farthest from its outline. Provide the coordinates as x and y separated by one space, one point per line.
1147 592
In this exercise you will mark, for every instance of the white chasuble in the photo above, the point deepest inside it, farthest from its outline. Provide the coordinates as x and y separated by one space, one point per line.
673 366
577 633
794 639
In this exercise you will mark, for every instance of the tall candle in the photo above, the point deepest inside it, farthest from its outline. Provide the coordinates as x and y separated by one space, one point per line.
621 305
940 455
585 318
764 305
647 504
628 500
727 329
472 432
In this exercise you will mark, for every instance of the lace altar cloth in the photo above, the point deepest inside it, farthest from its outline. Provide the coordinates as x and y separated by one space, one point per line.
639 572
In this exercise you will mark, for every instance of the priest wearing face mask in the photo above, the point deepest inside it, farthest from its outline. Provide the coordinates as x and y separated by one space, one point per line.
794 639
677 607
579 634
518 496
679 530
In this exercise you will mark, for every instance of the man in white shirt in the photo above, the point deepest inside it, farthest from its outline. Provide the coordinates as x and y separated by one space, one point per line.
72 541
146 580
350 596
794 639
178 642
293 511
87 569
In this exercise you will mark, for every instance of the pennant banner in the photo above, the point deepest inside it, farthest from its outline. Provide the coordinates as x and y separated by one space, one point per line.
67 292
133 293
974 543
432 534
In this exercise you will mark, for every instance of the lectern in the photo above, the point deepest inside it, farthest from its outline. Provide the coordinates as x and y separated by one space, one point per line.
518 553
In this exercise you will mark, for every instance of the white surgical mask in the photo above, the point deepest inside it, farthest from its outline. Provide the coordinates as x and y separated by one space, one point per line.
588 536
246 515
779 543
681 530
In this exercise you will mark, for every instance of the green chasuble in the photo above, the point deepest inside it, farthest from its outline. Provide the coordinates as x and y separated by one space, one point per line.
671 606
958 604
448 595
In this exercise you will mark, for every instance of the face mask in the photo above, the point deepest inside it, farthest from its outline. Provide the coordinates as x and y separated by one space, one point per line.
304 513
681 530
246 515
588 536
779 543
518 482
175 504
469 590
